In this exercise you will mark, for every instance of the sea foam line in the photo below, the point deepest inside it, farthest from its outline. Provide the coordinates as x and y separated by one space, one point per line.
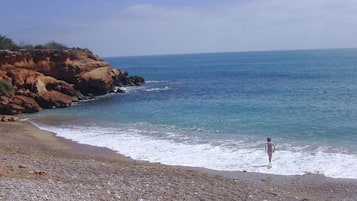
133 143
158 89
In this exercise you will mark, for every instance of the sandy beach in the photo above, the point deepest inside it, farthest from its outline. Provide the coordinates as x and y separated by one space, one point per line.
37 165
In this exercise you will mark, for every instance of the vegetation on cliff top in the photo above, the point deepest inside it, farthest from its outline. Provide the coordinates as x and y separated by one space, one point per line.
8 44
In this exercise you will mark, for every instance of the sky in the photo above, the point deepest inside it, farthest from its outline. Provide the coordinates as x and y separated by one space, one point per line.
156 27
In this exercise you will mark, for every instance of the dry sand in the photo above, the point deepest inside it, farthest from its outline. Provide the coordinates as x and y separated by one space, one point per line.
37 165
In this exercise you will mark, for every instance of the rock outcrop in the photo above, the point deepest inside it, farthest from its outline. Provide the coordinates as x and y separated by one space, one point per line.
6 118
42 79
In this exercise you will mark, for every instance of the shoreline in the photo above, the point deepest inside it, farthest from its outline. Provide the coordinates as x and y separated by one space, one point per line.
228 173
29 154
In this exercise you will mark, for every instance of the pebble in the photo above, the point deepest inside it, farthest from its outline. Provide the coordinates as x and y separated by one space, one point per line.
69 177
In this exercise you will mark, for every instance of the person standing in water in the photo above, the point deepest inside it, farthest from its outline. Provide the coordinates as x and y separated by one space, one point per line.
269 149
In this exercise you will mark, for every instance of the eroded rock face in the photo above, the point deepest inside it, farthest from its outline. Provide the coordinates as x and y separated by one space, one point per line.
6 118
28 103
47 83
54 99
54 78
18 105
98 81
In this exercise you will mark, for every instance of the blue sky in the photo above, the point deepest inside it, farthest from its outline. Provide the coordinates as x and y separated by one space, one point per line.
139 27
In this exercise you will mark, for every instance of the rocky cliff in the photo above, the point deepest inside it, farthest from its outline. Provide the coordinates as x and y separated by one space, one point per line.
31 80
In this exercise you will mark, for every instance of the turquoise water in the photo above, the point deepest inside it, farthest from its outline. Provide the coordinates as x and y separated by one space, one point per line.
216 110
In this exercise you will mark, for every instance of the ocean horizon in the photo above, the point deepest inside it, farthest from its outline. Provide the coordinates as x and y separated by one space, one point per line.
215 110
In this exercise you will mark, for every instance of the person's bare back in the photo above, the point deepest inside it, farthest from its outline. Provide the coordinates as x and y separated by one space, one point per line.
269 149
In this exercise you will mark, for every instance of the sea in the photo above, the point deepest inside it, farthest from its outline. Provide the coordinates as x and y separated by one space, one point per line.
216 110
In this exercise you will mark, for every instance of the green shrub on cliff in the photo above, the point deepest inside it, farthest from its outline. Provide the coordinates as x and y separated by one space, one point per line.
52 45
6 88
7 43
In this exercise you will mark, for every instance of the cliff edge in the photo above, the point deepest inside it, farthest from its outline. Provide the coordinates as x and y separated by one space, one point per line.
31 80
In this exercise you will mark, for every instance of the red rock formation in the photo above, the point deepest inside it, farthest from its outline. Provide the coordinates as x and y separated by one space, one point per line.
54 99
18 105
6 118
71 65
98 81
54 78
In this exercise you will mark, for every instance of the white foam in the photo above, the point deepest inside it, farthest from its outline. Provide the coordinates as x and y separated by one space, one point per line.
154 81
158 89
136 143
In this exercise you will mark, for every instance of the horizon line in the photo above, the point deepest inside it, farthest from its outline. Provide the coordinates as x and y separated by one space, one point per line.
228 52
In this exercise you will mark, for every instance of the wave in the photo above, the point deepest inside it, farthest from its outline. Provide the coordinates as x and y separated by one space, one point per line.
172 148
158 89
154 81
129 88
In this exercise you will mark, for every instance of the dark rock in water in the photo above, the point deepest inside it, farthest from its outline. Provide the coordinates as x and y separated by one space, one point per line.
129 81
137 80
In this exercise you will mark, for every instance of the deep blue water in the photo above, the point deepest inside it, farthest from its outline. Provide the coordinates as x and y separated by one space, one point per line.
216 110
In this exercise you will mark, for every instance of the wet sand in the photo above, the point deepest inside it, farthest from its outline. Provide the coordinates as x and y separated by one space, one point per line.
37 165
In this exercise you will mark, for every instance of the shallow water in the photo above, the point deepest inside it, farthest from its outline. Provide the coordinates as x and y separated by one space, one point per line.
216 110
